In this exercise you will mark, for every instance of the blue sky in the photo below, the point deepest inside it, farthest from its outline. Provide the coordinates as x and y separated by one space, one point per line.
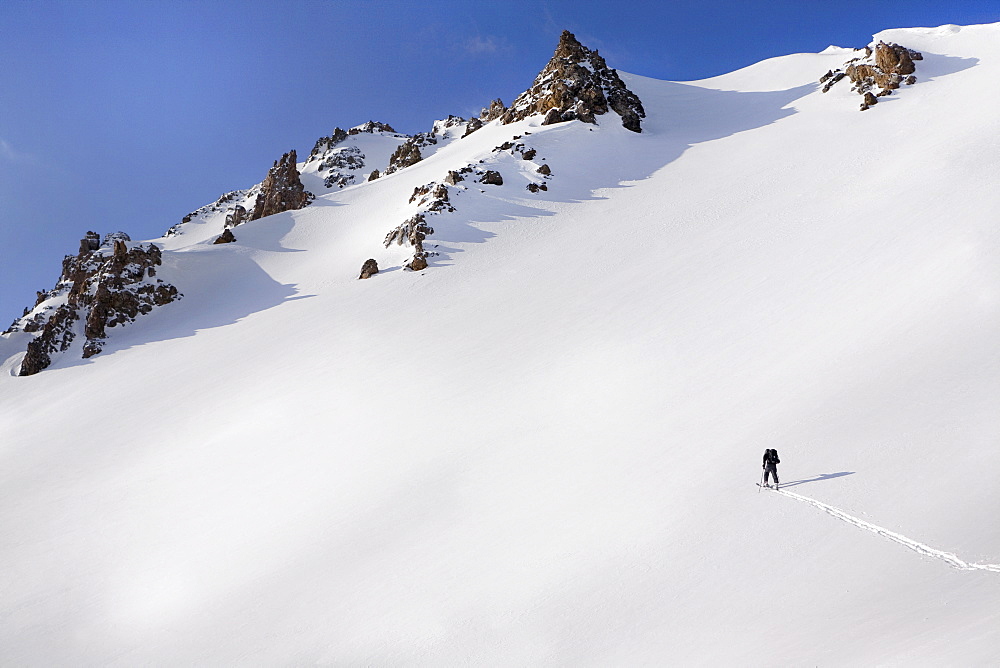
128 115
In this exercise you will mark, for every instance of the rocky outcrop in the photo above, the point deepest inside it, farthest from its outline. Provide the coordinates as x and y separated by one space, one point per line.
225 238
577 84
432 197
473 125
371 127
56 335
236 216
494 111
831 78
879 72
887 67
406 155
90 242
418 263
412 231
281 190
99 288
369 269
339 165
491 178
324 144
224 204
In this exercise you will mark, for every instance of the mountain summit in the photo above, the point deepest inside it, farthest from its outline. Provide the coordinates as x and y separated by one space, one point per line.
577 84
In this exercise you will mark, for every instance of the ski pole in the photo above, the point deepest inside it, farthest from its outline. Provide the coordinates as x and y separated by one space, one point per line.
761 485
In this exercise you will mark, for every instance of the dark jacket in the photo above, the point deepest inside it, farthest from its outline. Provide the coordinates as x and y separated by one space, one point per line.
771 457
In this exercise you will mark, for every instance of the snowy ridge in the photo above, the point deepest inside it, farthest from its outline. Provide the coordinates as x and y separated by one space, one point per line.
917 547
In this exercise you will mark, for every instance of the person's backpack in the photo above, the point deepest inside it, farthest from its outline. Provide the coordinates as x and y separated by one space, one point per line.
774 457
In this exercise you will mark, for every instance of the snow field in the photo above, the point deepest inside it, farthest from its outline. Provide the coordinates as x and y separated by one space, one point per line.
540 451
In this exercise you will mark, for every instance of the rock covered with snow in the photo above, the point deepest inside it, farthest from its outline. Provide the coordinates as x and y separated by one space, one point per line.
236 216
576 84
339 160
230 208
99 290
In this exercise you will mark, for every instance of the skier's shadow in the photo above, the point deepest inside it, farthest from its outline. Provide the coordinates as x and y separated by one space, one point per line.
822 476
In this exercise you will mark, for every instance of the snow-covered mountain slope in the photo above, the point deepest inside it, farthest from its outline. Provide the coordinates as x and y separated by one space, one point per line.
541 449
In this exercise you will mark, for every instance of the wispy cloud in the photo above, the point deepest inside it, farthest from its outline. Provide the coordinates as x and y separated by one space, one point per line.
9 154
480 45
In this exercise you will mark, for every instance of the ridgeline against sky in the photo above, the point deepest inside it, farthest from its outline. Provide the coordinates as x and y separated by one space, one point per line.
125 116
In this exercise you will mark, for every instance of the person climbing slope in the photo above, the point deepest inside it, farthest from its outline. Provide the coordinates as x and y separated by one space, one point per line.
771 462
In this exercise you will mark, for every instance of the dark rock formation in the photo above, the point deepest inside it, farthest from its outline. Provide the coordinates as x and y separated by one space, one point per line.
418 263
576 84
237 216
103 290
837 76
544 170
406 155
432 197
111 237
369 269
535 187
56 336
878 73
226 237
453 178
374 175
371 127
339 164
492 178
413 231
282 190
90 242
473 125
224 203
494 111
324 144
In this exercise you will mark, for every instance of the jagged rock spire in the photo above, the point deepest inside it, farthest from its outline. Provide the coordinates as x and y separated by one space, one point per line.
282 190
577 84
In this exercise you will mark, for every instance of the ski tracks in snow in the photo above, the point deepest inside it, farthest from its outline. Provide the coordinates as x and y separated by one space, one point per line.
919 548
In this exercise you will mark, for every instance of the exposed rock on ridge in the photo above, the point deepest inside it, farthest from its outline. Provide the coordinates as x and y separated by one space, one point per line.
281 190
878 73
576 84
99 290
341 166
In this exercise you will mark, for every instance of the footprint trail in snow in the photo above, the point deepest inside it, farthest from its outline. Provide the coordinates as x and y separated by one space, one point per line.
919 548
